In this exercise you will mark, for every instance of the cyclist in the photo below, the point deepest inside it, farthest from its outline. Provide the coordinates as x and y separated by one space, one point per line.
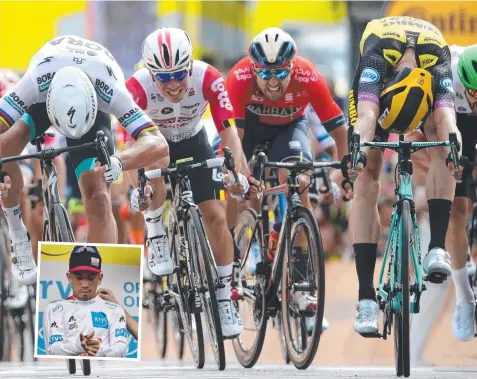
270 90
74 84
175 90
411 60
464 72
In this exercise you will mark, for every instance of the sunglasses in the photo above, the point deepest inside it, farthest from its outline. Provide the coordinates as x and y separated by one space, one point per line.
472 92
165 77
82 249
266 73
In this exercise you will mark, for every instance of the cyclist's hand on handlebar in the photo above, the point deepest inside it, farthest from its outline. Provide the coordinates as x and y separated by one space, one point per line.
347 190
147 199
255 188
330 197
5 185
135 205
236 190
111 174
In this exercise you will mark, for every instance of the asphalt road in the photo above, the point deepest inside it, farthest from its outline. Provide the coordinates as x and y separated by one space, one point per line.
170 369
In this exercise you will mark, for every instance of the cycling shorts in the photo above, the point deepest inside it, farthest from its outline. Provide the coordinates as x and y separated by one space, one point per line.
206 183
286 142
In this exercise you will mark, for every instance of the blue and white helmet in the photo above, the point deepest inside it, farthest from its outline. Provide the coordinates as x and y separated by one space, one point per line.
272 47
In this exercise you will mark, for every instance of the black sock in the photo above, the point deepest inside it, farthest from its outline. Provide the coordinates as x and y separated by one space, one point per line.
365 263
439 215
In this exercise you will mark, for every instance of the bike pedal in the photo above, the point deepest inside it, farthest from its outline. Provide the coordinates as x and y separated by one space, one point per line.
371 335
436 278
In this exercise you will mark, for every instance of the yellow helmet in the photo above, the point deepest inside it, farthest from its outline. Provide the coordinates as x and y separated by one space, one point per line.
406 100
139 65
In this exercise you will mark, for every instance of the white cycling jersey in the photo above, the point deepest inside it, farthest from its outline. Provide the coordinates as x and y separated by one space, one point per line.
461 103
319 131
181 121
64 320
92 58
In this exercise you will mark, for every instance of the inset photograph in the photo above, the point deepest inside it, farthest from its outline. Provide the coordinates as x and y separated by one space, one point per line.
89 301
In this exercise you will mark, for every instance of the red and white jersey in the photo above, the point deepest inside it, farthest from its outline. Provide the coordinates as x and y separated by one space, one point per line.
181 121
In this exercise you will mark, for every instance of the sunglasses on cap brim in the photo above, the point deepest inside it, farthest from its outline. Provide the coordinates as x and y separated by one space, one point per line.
165 77
82 249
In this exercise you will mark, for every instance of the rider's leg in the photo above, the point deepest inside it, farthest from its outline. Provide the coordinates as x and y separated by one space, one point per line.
457 242
12 142
440 193
96 193
365 230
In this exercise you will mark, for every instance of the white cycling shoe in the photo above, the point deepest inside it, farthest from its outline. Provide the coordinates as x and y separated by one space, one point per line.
24 268
366 319
158 256
310 324
437 261
230 320
463 323
18 295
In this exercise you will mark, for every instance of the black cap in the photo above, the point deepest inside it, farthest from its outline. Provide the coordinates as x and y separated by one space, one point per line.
85 258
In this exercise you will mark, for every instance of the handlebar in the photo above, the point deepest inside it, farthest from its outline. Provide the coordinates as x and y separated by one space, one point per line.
50 153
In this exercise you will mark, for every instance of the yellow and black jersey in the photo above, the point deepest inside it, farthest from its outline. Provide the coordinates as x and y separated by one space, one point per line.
382 46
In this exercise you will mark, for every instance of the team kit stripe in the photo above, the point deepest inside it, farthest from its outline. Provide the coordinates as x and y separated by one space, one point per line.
147 125
7 120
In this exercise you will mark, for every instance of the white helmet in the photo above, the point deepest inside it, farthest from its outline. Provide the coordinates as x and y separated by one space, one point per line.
71 102
272 47
167 50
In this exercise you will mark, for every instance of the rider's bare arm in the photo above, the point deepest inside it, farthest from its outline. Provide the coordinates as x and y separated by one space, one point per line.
150 145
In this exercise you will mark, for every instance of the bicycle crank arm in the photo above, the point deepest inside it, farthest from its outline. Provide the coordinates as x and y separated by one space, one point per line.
372 335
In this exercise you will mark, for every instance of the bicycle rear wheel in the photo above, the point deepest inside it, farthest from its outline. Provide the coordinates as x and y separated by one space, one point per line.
161 327
205 269
178 336
184 291
402 319
248 346
303 345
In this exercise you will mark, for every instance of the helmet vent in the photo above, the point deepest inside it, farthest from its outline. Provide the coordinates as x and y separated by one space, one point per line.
266 38
165 53
276 37
183 60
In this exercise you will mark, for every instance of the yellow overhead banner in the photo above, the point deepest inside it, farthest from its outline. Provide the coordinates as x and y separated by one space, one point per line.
457 20
25 26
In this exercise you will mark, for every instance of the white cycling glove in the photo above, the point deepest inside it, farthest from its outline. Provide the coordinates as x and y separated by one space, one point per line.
243 182
135 198
112 174
335 190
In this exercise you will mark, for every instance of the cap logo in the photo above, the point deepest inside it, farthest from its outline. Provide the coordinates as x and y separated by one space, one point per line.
94 262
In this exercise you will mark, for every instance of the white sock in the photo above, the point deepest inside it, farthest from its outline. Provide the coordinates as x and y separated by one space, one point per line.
463 291
154 222
225 276
16 227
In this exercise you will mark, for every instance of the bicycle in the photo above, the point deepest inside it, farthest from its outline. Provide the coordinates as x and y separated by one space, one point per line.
397 296
267 284
471 236
194 281
56 226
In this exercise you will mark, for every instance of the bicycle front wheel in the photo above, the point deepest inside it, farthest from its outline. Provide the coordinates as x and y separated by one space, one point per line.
302 327
206 271
61 230
402 318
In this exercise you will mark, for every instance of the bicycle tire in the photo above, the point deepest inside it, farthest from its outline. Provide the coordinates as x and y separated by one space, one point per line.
86 367
178 336
204 265
279 321
59 230
402 322
181 298
161 330
303 360
60 224
71 364
249 357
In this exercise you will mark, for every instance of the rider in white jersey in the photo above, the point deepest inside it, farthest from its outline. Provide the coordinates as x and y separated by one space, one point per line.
174 90
84 323
464 73
26 112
